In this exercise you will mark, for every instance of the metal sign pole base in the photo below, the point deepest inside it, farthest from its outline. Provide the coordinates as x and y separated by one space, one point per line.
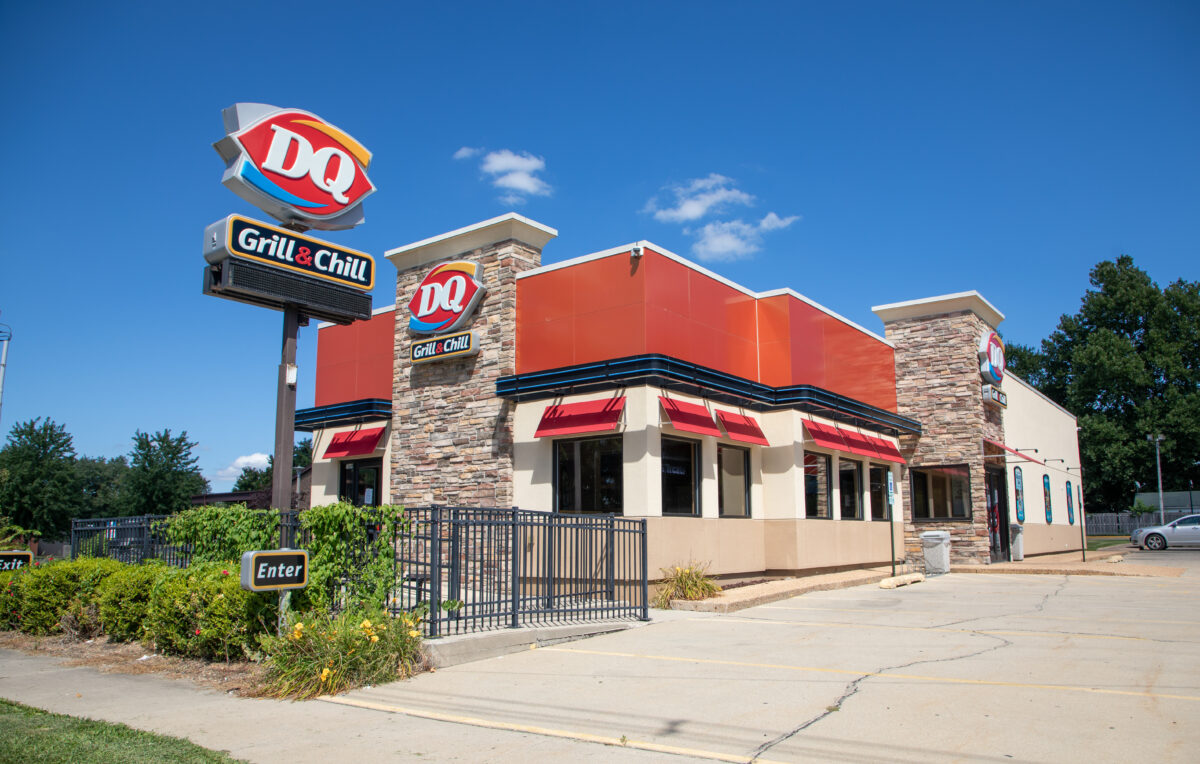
285 418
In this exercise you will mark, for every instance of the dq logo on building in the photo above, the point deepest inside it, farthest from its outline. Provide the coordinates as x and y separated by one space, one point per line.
447 296
991 358
295 166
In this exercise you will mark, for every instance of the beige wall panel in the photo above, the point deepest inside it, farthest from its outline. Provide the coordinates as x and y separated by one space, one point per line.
1043 539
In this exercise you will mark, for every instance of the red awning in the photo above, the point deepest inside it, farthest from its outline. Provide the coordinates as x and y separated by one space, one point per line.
689 417
742 428
825 436
353 443
583 416
1013 451
850 441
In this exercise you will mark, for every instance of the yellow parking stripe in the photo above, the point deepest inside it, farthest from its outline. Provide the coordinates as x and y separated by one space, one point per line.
881 675
994 633
946 613
586 737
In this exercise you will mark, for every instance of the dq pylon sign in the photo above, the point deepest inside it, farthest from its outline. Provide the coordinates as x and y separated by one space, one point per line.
275 570
294 166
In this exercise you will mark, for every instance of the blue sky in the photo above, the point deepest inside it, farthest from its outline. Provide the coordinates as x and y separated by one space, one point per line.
860 153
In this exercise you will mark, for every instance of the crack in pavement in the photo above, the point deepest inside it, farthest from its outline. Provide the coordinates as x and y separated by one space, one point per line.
853 687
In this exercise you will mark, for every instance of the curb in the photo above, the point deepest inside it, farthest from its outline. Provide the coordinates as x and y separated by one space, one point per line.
735 599
465 648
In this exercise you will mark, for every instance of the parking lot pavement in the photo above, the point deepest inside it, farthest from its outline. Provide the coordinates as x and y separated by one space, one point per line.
961 667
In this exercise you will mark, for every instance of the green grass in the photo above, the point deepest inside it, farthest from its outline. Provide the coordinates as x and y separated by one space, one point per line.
1100 542
31 735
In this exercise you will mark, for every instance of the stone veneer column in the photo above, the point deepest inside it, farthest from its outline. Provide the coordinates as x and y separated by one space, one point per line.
938 383
451 435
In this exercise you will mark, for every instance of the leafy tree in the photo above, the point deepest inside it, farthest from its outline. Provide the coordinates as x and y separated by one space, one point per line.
163 475
102 482
255 479
38 486
1128 365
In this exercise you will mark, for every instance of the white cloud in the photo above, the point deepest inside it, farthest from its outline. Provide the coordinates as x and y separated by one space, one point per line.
466 152
257 461
517 173
734 239
699 198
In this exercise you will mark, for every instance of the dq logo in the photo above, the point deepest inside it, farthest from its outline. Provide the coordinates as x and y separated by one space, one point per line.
991 358
295 166
446 297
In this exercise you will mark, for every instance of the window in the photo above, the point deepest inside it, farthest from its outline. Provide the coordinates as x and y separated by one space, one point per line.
879 492
941 493
589 476
818 486
733 481
850 489
680 477
359 482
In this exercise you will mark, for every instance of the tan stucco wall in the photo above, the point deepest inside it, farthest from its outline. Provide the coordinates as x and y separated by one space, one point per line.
1033 421
325 472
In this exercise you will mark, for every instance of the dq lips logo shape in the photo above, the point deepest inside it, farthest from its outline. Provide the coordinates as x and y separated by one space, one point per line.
295 166
445 299
991 358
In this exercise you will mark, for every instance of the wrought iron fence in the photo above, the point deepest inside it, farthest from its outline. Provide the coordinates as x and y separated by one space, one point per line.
478 569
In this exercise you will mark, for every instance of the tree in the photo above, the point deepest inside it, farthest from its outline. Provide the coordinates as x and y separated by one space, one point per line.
1127 365
163 475
38 486
255 479
102 482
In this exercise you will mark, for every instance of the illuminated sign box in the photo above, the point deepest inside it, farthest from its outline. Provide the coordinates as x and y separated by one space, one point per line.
237 236
446 346
15 560
275 570
995 396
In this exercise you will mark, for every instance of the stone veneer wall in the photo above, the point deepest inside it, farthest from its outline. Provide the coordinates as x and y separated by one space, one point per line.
938 383
451 435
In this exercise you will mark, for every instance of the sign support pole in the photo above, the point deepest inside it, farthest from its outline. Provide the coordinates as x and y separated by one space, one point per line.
285 420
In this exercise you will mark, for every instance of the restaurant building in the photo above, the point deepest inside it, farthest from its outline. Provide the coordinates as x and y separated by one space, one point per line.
757 432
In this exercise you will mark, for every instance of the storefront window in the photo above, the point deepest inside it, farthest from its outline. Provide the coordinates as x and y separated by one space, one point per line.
359 482
589 476
680 477
941 493
879 506
850 489
733 481
818 486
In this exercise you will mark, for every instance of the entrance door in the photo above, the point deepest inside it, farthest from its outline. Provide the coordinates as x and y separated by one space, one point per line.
996 486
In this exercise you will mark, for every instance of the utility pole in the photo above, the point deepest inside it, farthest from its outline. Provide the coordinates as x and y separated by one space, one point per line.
1162 512
5 336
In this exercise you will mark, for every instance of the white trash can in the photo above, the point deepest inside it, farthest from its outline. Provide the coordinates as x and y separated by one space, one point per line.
936 545
1017 537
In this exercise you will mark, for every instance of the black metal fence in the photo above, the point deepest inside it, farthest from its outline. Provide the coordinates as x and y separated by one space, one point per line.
479 569
473 568
144 537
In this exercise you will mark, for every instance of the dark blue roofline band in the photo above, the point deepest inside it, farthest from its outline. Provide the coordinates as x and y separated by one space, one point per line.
672 374
336 414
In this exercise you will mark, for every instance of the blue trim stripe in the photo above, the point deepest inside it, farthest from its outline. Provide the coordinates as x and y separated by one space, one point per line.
254 177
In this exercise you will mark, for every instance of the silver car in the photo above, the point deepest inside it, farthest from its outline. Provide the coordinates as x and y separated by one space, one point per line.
1182 532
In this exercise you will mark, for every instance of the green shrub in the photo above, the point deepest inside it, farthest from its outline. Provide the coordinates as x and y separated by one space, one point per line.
124 599
50 590
203 612
688 582
10 599
221 533
344 560
322 654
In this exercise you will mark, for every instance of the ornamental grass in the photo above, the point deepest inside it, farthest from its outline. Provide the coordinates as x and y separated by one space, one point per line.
322 654
686 582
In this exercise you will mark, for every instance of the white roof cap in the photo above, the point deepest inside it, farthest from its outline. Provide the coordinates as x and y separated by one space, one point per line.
946 303
503 228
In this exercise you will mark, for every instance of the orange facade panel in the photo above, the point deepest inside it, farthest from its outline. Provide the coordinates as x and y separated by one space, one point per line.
355 361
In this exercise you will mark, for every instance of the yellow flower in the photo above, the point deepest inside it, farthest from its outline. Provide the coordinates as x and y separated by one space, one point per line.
325 674
382 627
374 638
299 626
412 632
366 624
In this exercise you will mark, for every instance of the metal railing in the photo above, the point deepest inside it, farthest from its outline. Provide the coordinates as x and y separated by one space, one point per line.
477 569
